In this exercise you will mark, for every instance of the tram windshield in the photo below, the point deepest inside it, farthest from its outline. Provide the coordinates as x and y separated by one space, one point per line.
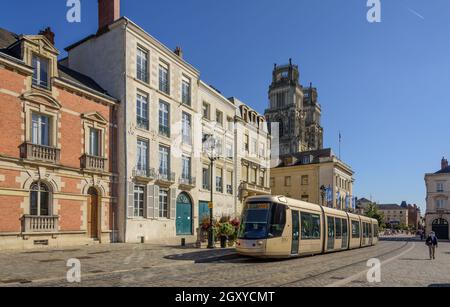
262 221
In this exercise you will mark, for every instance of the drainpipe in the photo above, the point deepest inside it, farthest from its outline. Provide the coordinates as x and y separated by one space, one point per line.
125 130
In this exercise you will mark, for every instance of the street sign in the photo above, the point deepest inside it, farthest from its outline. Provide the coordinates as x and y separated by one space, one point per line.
210 205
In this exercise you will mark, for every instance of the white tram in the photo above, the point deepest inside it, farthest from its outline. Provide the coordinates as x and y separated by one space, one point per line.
279 227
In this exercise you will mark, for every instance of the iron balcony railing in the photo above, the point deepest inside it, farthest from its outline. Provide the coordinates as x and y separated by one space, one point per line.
93 163
40 224
164 130
148 173
166 177
142 123
40 152
187 181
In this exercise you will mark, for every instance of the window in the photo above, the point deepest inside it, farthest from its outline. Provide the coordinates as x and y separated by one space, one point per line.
40 129
186 91
254 147
229 151
219 118
142 111
219 180
142 65
230 182
95 142
164 119
206 111
163 204
186 171
253 172
164 78
305 198
246 143
164 164
310 226
355 230
305 180
206 178
306 160
287 181
440 187
440 204
186 128
262 179
40 74
230 124
245 173
262 150
40 200
142 155
139 201
338 228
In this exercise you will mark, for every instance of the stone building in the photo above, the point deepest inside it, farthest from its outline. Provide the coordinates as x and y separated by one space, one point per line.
394 215
437 214
294 112
166 109
301 176
57 138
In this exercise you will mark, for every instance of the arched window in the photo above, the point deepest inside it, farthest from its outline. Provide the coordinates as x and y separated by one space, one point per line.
40 199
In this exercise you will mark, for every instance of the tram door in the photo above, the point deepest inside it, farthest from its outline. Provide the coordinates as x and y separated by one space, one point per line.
295 232
331 233
344 234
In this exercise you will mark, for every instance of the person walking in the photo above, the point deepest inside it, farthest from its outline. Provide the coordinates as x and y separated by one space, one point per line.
432 243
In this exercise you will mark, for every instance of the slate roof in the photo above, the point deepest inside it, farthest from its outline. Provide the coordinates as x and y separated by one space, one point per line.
316 155
389 207
444 171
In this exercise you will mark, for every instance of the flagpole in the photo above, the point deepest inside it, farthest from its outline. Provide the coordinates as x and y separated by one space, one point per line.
340 140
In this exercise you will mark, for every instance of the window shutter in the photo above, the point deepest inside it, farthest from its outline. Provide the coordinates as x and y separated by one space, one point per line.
150 201
156 201
173 203
130 200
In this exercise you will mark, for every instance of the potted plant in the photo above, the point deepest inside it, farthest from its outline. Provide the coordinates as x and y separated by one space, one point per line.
226 230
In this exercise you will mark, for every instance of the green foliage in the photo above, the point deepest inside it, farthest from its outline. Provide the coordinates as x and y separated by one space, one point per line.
372 212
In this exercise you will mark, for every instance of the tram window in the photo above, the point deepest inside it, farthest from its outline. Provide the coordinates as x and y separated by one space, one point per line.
376 231
277 220
254 221
338 228
355 229
310 226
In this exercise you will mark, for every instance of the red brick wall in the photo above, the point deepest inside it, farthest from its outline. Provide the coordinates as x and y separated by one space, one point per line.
70 185
70 215
10 213
10 179
10 109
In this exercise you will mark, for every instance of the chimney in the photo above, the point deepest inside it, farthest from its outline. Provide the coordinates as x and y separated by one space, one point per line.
178 51
48 33
108 12
444 163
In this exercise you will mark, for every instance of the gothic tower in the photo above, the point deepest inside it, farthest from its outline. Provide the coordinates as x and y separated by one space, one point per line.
296 110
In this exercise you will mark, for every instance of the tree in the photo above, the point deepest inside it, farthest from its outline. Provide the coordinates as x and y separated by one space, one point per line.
372 212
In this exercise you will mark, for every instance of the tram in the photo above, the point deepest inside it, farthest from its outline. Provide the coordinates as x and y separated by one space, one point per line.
280 227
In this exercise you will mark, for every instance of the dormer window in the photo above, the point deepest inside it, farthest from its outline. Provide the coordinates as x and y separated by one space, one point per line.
41 69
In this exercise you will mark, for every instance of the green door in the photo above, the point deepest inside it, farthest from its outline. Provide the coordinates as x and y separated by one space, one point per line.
184 215
203 211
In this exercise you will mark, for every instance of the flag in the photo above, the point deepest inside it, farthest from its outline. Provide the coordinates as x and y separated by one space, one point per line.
347 202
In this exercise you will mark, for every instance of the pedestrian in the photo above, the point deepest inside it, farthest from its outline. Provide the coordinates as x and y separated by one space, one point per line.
432 243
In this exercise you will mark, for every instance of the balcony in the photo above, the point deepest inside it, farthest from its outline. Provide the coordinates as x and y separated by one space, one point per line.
93 163
166 178
42 153
40 224
187 183
142 123
254 188
144 174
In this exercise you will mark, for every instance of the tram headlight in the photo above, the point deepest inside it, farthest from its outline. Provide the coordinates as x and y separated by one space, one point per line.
260 243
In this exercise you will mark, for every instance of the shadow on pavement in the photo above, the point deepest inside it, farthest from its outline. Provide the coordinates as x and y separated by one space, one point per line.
439 286
216 256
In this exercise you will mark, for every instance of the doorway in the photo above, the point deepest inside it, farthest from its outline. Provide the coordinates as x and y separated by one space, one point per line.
92 213
184 215
440 227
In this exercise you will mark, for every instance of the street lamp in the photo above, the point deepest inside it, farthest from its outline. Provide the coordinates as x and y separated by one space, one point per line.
323 191
213 152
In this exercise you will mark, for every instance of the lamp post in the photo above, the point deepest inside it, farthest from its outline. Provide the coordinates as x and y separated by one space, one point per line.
213 155
323 190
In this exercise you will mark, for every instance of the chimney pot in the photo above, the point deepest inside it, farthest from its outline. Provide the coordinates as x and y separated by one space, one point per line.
178 51
444 163
108 12
48 33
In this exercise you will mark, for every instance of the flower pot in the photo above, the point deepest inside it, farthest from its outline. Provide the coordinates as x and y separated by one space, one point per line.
223 242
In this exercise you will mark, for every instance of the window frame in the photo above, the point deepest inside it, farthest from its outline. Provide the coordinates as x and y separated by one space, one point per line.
141 75
163 204
40 184
37 72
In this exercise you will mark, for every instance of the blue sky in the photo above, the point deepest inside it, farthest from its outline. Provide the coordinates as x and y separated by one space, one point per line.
384 86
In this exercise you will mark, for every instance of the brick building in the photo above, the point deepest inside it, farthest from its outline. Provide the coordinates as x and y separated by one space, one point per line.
56 141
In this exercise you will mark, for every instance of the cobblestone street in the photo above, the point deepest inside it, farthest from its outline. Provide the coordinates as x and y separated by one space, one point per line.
403 263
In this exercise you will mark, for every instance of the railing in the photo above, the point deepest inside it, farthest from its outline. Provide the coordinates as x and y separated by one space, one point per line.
255 187
93 163
145 173
190 181
35 224
164 131
142 123
166 177
40 152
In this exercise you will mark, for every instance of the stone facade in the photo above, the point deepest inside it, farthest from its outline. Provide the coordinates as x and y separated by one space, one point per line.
394 215
56 185
302 175
437 215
